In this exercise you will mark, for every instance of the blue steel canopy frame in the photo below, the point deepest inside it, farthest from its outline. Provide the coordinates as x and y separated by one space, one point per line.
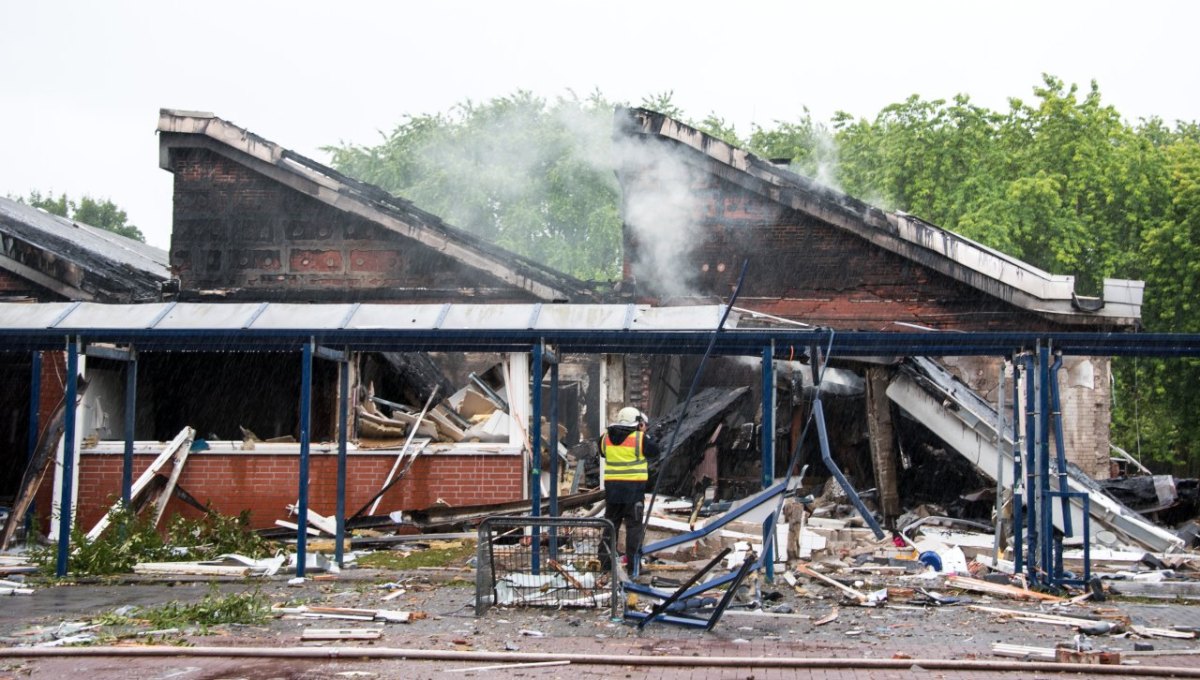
776 343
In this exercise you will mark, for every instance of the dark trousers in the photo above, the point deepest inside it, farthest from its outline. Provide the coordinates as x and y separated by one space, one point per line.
629 514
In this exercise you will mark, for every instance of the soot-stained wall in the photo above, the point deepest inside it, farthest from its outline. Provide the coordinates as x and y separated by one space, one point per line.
806 269
251 237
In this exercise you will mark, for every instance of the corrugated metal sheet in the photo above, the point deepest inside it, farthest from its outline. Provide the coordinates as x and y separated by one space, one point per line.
284 316
37 226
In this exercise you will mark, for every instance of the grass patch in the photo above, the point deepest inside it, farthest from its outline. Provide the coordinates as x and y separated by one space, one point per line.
439 554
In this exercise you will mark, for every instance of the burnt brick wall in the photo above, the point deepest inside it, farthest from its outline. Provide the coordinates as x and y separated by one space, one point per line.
13 285
235 228
806 269
265 483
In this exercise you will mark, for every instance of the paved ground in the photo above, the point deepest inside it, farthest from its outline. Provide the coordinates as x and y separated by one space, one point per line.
896 635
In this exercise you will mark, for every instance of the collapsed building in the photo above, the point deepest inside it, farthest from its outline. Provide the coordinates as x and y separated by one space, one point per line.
821 258
268 234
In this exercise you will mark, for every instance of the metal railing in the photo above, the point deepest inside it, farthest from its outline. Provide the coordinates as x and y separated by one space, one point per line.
574 564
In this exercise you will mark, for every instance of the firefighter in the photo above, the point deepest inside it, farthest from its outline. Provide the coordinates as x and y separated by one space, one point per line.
626 450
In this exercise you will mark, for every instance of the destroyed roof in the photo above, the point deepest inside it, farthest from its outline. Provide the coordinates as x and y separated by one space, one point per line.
964 260
76 260
481 323
191 129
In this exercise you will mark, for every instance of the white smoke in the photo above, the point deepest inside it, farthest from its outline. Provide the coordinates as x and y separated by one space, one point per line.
825 154
663 212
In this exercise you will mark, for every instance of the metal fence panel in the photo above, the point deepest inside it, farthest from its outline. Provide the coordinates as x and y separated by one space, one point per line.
548 562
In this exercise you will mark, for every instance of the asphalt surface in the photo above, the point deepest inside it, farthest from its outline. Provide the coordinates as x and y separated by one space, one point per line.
899 634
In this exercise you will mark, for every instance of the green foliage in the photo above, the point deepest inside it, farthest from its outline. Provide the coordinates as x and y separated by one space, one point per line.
1062 182
103 214
526 174
129 539
214 610
215 534
808 147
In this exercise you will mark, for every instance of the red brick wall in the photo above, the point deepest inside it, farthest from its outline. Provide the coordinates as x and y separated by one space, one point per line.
265 483
53 385
234 228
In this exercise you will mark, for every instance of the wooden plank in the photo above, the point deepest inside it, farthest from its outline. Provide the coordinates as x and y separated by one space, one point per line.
190 568
296 527
856 594
184 438
976 585
341 634
323 524
565 574
43 455
1150 631
1023 652
176 469
1054 619
412 432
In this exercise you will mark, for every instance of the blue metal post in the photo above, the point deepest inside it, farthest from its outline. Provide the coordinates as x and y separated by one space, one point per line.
68 470
1046 505
305 415
827 458
130 422
35 404
344 406
767 443
554 457
1018 477
1031 507
1060 452
535 456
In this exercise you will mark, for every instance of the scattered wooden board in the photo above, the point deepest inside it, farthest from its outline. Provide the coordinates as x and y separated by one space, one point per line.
1150 631
828 618
190 569
1023 651
181 440
856 594
35 469
341 634
979 586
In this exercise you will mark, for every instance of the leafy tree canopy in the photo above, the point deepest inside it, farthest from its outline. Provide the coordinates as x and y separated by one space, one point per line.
103 214
1059 180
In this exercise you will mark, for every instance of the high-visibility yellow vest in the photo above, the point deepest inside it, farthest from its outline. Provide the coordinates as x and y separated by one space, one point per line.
624 462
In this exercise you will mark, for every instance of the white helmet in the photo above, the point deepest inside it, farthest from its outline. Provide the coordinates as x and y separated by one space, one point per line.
630 416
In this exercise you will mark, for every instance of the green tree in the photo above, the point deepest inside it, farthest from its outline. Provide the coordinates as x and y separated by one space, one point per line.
529 175
1158 417
808 147
103 214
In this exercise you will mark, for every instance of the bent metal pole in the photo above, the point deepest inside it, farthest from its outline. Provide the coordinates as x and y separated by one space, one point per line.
666 453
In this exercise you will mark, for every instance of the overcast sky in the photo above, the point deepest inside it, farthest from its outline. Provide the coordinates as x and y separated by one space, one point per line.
83 80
